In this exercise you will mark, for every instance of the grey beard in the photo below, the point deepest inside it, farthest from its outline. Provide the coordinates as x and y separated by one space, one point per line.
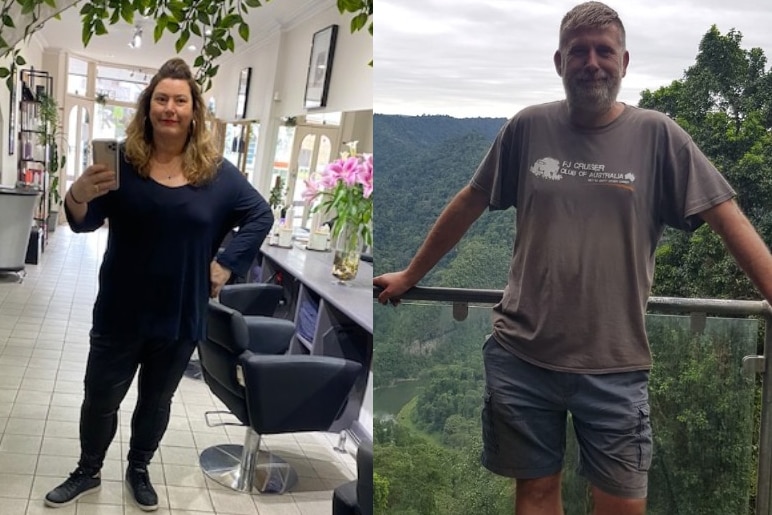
597 99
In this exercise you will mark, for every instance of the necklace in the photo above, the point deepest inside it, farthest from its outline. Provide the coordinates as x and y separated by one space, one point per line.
167 171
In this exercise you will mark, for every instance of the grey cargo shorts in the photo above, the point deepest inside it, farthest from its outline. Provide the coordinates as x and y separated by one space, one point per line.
524 421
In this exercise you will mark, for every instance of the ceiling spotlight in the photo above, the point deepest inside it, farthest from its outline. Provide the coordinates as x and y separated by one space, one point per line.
136 39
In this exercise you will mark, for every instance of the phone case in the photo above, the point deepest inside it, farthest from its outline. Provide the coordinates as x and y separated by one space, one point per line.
105 152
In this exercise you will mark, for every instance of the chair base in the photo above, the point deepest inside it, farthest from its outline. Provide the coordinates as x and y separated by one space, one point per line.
224 464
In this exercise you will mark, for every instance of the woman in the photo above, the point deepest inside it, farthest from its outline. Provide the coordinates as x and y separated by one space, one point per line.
176 202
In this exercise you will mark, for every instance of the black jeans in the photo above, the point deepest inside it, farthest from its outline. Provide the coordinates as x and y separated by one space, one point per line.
112 363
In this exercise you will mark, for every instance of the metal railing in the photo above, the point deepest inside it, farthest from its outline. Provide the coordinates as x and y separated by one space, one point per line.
697 309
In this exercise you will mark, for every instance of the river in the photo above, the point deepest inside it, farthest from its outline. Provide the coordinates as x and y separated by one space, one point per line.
390 399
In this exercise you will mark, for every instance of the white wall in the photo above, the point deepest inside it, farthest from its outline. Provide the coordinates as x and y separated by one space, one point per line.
351 83
279 64
33 54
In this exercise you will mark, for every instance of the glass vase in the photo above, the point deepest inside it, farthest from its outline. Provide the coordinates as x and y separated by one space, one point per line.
346 253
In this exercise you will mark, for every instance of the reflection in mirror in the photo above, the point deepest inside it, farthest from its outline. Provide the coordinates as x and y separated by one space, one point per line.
239 145
281 163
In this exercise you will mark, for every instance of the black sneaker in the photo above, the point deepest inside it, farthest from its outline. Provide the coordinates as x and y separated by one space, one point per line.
138 483
77 485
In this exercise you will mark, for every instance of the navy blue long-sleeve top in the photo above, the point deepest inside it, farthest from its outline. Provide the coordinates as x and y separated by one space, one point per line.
155 276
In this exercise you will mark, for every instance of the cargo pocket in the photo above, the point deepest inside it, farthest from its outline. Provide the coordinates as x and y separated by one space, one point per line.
490 443
644 436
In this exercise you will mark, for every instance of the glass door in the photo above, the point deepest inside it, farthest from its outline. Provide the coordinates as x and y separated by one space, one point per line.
312 149
78 137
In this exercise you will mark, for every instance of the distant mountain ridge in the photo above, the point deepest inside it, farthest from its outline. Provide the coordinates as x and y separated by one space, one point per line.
429 130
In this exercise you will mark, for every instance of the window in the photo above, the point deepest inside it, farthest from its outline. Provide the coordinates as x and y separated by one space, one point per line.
324 118
77 76
121 84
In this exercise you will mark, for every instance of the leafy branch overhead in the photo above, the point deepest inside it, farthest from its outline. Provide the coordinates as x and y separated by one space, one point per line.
364 14
216 22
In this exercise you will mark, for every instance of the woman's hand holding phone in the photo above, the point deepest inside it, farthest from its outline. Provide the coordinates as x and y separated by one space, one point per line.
96 181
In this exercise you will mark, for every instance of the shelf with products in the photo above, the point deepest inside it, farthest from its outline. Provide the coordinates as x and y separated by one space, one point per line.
34 140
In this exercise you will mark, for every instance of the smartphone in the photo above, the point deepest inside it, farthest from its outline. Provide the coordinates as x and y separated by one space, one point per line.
105 152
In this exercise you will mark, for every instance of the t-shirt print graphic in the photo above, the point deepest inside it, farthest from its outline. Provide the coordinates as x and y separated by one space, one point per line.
548 168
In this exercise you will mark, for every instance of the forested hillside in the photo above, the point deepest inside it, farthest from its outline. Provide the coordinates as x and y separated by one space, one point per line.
427 159
421 174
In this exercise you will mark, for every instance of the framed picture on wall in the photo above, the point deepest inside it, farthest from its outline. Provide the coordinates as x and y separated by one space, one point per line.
12 111
320 67
243 94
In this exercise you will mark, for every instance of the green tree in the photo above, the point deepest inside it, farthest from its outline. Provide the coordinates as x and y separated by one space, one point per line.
449 390
724 101
380 493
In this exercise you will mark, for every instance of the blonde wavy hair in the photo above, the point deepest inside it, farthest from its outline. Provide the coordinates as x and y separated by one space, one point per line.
201 157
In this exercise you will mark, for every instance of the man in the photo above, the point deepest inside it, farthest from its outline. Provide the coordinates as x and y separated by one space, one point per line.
594 183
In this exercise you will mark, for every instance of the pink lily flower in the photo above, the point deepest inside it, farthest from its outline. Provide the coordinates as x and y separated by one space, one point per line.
311 191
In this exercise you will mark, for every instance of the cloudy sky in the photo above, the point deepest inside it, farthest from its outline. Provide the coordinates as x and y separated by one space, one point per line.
468 58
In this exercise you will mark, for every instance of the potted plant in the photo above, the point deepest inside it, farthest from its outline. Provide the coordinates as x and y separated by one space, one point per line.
345 189
49 119
276 197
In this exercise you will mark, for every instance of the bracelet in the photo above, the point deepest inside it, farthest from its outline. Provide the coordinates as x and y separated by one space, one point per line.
74 199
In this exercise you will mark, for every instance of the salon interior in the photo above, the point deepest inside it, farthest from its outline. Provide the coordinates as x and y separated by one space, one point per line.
241 440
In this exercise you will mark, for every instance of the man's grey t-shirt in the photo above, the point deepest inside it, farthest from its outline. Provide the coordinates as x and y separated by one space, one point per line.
591 207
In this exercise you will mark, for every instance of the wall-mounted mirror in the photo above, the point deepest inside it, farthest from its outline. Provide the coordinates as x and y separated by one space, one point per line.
238 141
243 92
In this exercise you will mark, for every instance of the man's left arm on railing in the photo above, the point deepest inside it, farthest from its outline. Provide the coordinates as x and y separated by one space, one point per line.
743 242
450 227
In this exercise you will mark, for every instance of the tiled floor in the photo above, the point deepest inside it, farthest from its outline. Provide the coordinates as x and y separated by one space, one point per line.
44 323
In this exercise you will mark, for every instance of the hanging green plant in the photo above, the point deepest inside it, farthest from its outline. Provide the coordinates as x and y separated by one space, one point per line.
215 22
50 137
101 98
363 10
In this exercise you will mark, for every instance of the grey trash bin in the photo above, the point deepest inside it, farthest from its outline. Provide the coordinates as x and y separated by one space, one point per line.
17 207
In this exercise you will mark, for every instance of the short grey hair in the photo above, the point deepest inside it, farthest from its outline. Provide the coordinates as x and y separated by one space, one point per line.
590 15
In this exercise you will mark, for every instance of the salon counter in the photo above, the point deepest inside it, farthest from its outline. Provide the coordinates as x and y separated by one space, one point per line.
331 318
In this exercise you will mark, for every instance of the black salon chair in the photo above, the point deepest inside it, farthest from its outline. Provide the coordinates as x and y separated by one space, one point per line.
356 497
266 392
252 299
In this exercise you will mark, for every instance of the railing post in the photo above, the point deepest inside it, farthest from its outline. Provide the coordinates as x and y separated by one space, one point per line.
460 311
764 480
